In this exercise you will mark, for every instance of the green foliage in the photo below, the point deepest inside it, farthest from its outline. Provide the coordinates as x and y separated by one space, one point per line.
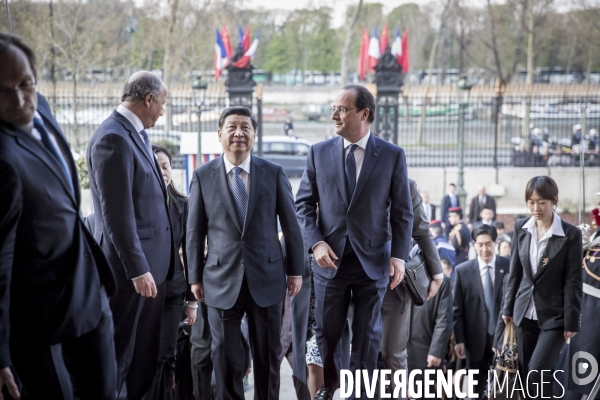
277 57
82 173
174 149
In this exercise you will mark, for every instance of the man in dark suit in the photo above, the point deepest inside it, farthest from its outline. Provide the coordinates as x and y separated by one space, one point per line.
444 248
132 225
427 207
354 180
56 311
450 200
486 216
396 307
460 237
478 294
235 201
478 203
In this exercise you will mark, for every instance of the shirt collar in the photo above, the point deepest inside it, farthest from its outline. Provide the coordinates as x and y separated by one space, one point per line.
482 265
245 165
362 143
556 228
131 117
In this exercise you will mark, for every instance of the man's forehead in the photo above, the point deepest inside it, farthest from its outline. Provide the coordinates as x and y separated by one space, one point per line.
235 118
19 67
483 239
345 97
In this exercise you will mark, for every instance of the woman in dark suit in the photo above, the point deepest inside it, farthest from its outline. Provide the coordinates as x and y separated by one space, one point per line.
178 295
543 295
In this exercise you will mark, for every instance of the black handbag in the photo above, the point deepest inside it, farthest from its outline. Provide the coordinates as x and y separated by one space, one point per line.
417 279
505 370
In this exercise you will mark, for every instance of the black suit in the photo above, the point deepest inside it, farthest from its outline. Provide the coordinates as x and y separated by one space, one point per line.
446 204
57 305
557 297
470 310
133 227
477 206
244 270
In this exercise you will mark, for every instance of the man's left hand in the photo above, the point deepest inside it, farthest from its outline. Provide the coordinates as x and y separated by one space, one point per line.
434 286
294 284
397 270
433 361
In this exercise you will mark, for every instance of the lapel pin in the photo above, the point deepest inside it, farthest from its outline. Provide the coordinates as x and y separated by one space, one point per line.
545 261
375 154
501 271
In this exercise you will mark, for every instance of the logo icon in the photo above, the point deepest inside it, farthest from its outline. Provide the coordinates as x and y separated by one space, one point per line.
590 365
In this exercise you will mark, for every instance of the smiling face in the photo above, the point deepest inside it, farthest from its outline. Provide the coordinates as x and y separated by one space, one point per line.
237 135
484 246
18 100
353 122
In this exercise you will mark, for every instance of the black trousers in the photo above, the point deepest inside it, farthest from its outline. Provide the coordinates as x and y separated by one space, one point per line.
137 340
82 368
164 381
202 365
483 364
538 350
228 354
333 296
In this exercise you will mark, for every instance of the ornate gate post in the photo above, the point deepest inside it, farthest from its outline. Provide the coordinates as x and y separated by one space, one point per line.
388 77
239 82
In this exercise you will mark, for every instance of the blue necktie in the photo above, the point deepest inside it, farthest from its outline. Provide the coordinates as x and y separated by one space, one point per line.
489 301
146 142
350 168
238 190
51 147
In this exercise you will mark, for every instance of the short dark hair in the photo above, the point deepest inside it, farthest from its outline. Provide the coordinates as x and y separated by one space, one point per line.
446 261
484 230
137 89
364 99
7 40
437 229
237 110
498 224
487 208
453 185
171 188
544 186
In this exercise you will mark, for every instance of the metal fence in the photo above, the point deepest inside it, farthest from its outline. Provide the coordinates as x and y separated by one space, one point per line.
495 133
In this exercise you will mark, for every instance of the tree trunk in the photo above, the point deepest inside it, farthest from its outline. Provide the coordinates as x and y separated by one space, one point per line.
52 61
529 77
348 42
75 122
571 55
167 60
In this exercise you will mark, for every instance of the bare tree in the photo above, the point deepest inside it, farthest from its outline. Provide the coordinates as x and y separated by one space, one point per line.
348 41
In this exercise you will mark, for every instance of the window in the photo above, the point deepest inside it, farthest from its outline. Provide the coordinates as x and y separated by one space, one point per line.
301 149
281 148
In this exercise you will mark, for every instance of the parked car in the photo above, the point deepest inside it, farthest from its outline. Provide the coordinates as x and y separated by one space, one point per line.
288 151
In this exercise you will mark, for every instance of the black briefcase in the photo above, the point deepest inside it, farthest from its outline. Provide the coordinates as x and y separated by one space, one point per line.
417 279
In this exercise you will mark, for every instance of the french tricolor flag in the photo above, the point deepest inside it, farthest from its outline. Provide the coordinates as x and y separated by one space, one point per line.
397 47
373 51
249 54
220 56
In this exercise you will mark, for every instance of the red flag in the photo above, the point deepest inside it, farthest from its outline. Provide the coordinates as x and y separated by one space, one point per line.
246 40
405 58
226 42
383 42
362 58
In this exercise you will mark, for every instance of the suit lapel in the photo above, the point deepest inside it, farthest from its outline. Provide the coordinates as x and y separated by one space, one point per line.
257 174
219 177
555 244
524 244
477 276
337 160
372 154
498 277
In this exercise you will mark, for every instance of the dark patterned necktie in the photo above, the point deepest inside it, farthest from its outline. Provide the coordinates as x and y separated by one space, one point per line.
350 169
489 301
240 197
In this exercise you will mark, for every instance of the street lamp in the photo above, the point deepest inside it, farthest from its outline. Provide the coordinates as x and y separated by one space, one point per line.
199 85
464 92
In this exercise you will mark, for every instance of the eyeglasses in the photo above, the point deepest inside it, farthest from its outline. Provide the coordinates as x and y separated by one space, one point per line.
342 110
26 87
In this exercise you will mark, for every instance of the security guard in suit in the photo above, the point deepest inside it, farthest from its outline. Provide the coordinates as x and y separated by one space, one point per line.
460 237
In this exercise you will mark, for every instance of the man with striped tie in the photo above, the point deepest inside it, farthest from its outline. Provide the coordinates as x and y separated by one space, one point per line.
235 201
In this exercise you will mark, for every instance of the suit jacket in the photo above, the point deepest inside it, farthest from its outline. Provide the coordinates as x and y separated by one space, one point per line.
476 208
381 199
432 212
422 237
235 251
558 283
132 222
430 328
469 305
446 204
48 259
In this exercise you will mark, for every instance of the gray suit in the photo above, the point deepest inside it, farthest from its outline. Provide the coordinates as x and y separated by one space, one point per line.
244 269
395 311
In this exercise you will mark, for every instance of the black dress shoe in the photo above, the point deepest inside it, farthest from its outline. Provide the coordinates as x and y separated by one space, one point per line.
324 394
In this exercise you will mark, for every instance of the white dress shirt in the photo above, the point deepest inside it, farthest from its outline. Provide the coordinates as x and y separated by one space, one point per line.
427 208
244 173
131 117
359 152
483 271
536 250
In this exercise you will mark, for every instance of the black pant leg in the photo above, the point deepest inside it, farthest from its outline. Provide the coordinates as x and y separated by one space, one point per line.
200 353
545 354
165 372
184 385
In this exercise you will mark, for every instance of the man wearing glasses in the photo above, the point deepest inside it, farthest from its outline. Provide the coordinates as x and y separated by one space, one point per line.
354 180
